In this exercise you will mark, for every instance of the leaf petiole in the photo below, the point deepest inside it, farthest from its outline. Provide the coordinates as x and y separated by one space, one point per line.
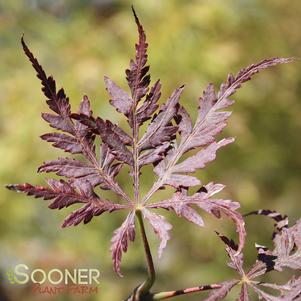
171 294
148 283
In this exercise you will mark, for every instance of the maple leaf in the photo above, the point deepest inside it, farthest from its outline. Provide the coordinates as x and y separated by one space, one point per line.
169 135
282 256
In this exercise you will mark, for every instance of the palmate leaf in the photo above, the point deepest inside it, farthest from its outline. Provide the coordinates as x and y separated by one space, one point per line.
65 194
268 260
182 204
287 251
169 135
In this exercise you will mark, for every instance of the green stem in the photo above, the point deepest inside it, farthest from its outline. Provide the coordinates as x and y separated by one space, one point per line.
148 283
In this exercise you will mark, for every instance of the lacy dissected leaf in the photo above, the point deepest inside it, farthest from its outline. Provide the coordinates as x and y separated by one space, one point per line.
120 240
159 146
200 160
108 165
73 169
94 123
63 141
82 140
56 100
287 245
288 292
150 105
161 227
291 291
160 129
288 248
281 220
210 122
119 98
65 194
136 75
236 260
181 203
114 138
181 207
152 156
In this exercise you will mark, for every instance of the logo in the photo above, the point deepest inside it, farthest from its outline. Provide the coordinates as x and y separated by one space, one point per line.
55 281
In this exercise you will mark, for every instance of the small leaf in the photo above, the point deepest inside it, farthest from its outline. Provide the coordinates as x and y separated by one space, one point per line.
120 240
281 220
63 141
72 168
203 157
119 98
136 75
153 155
150 105
161 228
181 208
114 140
57 101
160 130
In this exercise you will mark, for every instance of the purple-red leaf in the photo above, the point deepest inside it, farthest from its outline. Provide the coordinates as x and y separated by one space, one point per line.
120 240
65 194
88 211
203 157
62 192
161 147
119 98
59 122
161 228
136 75
150 105
153 155
57 101
160 129
181 203
184 123
181 208
73 169
210 122
288 248
63 141
111 135
281 220
291 291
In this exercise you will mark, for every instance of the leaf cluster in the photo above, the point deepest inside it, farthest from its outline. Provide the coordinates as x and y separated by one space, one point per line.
174 145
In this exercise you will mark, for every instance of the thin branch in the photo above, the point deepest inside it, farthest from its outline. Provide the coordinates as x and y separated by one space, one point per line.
148 283
171 294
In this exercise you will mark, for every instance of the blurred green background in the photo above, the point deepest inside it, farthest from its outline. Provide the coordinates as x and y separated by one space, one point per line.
191 42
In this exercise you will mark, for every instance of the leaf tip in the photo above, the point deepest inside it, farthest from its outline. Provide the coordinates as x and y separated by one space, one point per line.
135 14
11 187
